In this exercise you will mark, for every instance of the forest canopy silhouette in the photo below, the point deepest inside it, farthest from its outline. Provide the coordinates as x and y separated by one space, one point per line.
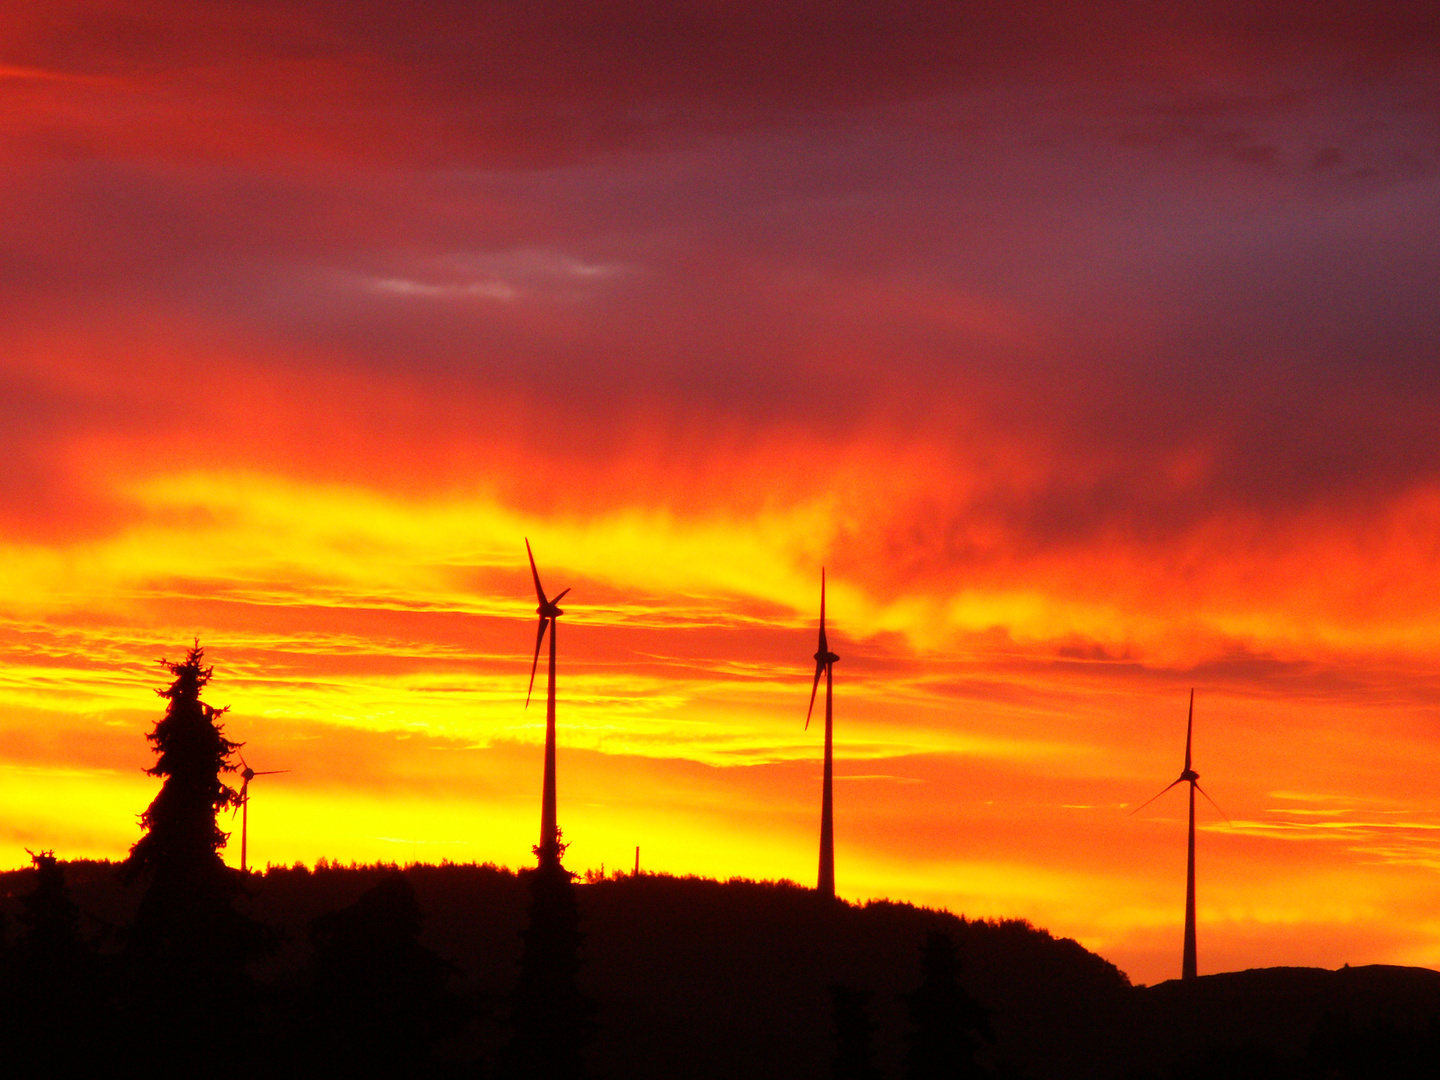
416 969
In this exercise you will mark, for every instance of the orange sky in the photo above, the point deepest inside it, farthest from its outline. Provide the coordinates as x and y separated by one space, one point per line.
1092 372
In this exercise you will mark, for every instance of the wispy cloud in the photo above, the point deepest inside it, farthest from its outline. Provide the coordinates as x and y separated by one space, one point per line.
427 290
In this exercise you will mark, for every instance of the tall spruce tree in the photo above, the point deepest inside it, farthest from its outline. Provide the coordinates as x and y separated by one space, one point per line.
188 944
182 838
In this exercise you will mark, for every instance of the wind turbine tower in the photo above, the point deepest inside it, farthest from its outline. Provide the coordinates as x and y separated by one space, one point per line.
549 849
825 662
1187 776
246 775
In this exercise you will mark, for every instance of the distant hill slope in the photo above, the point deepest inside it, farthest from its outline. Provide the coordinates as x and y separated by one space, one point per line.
735 976
699 978
1379 1021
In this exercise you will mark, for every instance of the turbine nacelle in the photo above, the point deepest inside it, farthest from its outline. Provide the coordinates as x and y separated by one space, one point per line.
247 774
824 658
1189 774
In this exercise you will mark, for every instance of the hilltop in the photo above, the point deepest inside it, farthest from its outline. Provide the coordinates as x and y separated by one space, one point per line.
701 978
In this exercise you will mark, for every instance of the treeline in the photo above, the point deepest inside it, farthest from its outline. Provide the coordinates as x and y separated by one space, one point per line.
81 992
415 971
373 970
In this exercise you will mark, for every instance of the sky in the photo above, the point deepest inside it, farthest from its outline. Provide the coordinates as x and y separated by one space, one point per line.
1091 348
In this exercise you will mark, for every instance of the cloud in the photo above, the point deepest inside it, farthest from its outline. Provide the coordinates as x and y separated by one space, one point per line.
487 290
562 81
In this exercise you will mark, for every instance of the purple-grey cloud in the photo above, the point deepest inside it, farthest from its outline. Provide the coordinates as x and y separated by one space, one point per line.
1122 242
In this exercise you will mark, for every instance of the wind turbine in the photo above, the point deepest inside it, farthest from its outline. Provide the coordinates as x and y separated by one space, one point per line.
246 775
825 662
549 850
1190 776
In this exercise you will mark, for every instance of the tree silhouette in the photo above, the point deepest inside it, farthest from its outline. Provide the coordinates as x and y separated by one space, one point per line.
854 1057
54 1017
188 945
948 1027
380 998
552 1018
181 837
50 918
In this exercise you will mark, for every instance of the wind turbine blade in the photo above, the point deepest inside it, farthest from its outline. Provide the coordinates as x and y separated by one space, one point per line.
819 667
558 596
822 604
534 573
1152 798
1189 728
271 772
535 664
1213 803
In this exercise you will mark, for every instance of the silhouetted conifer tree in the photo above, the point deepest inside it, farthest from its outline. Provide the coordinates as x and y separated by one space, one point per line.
188 945
55 1017
380 999
50 918
182 839
854 1058
947 1026
551 1017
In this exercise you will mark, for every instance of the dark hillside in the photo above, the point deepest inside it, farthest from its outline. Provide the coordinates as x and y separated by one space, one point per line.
699 978
696 977
733 978
720 979
1378 1021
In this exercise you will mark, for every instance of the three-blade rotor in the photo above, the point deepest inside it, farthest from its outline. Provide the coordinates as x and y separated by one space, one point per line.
824 658
1188 775
246 775
548 612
